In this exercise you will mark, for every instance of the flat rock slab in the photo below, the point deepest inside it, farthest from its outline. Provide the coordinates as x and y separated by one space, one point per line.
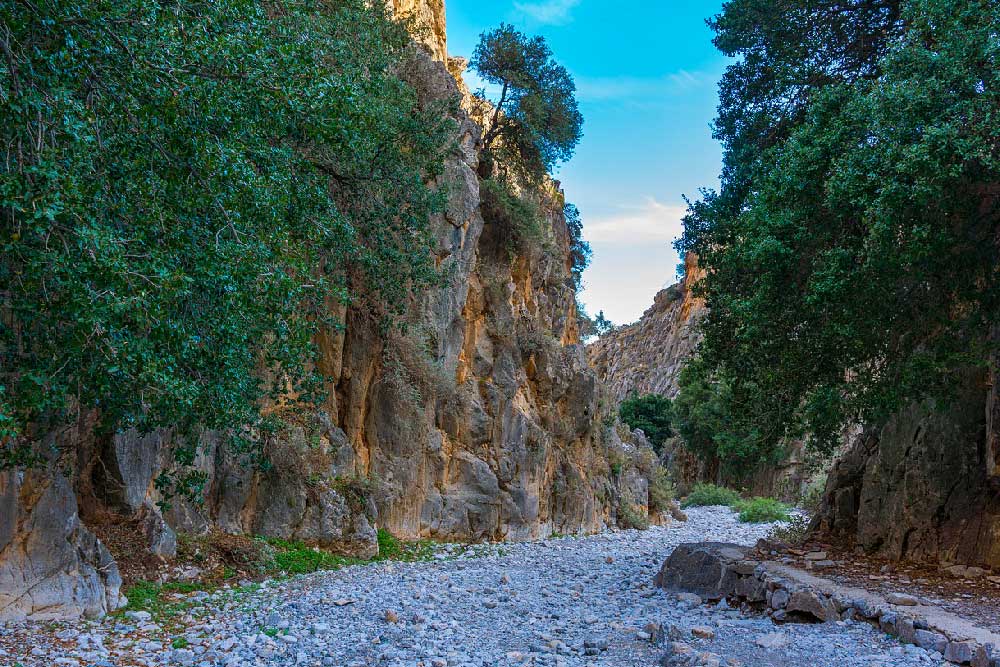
717 570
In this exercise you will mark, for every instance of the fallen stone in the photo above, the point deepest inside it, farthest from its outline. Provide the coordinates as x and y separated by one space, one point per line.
703 568
690 598
814 604
902 599
960 652
772 640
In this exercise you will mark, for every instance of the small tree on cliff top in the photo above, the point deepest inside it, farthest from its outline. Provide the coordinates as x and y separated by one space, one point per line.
535 122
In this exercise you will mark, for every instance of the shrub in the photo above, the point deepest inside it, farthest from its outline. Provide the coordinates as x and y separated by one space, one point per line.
629 516
793 533
761 510
661 490
652 413
704 495
514 219
812 497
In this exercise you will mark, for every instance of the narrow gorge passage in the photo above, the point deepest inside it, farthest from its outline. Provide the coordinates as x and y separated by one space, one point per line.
566 601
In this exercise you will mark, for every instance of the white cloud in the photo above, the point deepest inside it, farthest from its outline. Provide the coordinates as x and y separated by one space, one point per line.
547 11
651 222
633 258
625 87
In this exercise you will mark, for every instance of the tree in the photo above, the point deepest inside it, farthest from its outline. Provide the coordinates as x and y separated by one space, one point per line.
184 190
651 413
851 252
593 326
579 250
535 121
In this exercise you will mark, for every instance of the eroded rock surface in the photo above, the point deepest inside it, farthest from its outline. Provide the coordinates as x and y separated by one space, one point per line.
51 566
922 488
480 421
646 357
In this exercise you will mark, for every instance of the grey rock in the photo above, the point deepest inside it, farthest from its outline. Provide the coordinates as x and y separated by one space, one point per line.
51 566
902 599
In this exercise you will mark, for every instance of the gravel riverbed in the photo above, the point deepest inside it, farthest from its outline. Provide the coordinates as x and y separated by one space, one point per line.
572 602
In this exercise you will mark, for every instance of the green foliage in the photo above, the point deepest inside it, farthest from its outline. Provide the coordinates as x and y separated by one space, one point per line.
712 428
707 495
535 122
761 510
514 218
652 413
851 253
184 188
812 497
295 557
179 642
629 516
661 490
160 599
580 252
596 326
794 532
389 546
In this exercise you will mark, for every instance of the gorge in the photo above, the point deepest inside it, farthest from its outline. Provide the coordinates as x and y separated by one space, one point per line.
295 367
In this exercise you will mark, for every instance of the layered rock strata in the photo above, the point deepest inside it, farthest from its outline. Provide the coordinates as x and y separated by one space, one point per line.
646 357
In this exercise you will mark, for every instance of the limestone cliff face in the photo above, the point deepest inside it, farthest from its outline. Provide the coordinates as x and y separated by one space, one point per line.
429 19
646 357
481 420
924 486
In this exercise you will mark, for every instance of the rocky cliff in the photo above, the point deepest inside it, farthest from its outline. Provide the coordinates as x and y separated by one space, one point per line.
478 420
429 24
646 357
924 486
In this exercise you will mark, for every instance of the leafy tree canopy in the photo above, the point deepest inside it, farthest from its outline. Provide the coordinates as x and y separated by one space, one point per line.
651 413
593 326
852 250
535 122
580 252
185 189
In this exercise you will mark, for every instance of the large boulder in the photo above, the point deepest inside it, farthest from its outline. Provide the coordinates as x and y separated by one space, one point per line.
709 569
922 487
51 566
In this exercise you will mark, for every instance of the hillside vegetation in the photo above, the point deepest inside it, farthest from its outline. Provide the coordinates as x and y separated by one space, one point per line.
852 250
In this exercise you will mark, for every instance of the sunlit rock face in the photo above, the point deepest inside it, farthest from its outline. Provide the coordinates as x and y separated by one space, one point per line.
429 19
480 420
646 357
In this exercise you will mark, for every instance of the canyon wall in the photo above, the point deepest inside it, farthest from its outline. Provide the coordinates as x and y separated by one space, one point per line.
478 420
923 487
646 357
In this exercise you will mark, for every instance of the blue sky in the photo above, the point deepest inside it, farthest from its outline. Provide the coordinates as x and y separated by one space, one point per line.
647 76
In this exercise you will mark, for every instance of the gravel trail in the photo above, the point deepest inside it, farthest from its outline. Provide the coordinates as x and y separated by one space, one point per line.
572 602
